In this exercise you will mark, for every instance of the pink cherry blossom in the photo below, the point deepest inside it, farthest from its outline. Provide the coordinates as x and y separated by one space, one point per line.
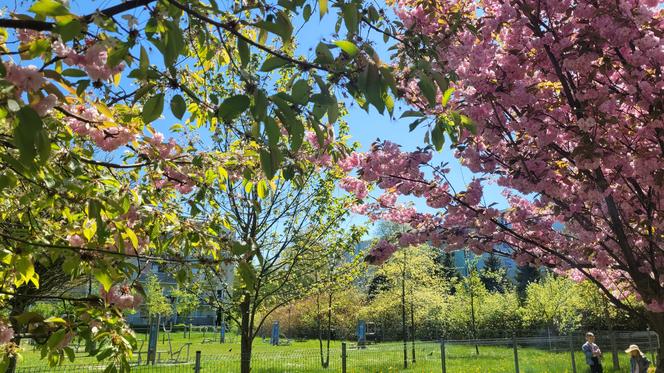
87 121
76 240
45 104
25 78
379 253
6 333
121 297
94 61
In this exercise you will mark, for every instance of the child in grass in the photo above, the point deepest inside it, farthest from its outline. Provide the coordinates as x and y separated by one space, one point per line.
638 362
593 354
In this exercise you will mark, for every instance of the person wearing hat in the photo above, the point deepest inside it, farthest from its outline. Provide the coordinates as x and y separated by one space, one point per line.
639 363
593 354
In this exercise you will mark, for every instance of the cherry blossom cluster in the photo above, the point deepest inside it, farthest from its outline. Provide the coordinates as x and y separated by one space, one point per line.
28 79
155 147
120 296
381 252
321 156
94 61
6 333
89 122
563 97
177 179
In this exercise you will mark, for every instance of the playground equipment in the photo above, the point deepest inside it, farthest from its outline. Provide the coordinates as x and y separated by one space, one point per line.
139 351
211 338
366 333
274 338
372 333
174 356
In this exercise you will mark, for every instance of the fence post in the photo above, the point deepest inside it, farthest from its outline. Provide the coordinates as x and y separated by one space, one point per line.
343 357
652 351
197 366
442 356
516 353
571 351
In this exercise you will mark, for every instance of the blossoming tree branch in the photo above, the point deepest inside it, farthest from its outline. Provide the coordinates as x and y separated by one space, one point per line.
560 103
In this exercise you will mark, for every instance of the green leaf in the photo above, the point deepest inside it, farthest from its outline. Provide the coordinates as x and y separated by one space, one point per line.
296 132
69 30
70 354
351 17
49 8
247 274
259 108
117 55
43 146
233 106
323 54
348 47
428 90
300 92
322 7
56 320
411 113
372 89
273 63
306 12
270 161
272 130
25 267
238 248
243 51
173 43
7 180
26 133
76 73
262 189
282 27
56 338
103 354
178 106
104 278
144 61
153 108
438 136
132 237
447 95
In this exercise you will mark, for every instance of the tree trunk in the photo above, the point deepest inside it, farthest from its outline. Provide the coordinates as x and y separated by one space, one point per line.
612 334
17 308
319 329
412 328
329 330
404 330
246 335
656 321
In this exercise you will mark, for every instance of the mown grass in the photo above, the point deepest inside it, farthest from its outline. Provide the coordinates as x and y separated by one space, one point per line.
304 357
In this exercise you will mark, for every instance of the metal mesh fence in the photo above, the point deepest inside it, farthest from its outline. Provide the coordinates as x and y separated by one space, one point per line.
520 354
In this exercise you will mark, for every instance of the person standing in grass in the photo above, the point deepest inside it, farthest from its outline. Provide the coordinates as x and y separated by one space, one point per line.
593 354
638 362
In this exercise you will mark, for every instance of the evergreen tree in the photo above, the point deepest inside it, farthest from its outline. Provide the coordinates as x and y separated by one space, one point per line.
524 276
446 269
378 284
494 275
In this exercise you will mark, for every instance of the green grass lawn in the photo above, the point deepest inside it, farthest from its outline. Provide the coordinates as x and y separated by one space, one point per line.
304 357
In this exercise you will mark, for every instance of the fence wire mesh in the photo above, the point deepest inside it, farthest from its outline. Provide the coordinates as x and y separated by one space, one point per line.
520 354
